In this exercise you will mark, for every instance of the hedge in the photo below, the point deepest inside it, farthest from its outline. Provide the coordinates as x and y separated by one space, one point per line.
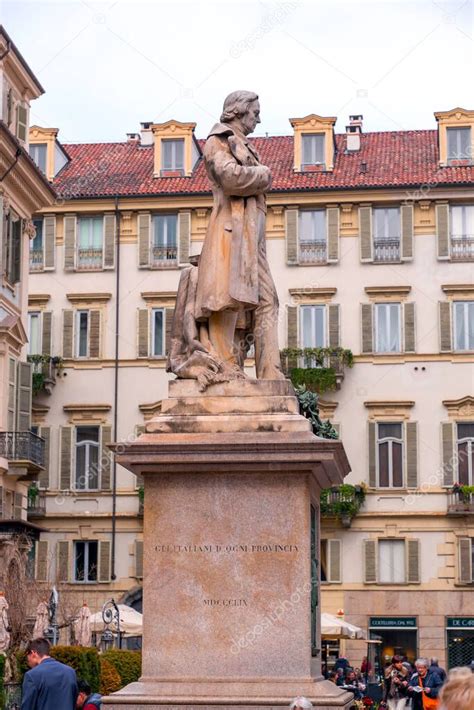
127 663
85 662
110 680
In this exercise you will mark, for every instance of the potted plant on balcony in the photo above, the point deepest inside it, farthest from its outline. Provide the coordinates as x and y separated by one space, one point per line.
342 502
464 493
318 369
45 370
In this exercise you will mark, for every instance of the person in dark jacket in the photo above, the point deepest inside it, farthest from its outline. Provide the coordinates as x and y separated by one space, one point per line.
396 684
86 699
435 667
424 686
49 685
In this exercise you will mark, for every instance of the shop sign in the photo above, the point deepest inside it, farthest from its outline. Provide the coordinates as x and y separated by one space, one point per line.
460 622
392 622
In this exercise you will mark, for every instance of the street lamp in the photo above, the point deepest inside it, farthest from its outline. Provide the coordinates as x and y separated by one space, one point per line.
111 614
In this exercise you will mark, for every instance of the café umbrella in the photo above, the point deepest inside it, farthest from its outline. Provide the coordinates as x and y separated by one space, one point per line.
332 627
131 622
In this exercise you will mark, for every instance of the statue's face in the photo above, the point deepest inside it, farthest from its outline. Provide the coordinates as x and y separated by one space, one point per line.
250 119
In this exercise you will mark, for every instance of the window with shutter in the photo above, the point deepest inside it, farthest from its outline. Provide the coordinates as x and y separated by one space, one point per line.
312 237
313 326
386 234
407 232
139 558
459 144
390 455
24 394
12 375
94 333
442 230
391 562
110 227
370 561
42 560
86 458
164 251
90 243
445 326
388 334
62 561
21 122
184 228
34 333
411 438
65 462
70 223
413 561
43 478
86 560
17 506
82 330
313 150
367 335
36 247
447 453
172 157
158 332
334 325
46 332
463 325
143 332
104 561
292 237
106 458
13 249
143 227
334 550
169 315
465 556
365 230
68 334
409 327
461 222
465 453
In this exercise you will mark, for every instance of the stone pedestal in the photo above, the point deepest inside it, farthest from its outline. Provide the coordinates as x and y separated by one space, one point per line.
232 481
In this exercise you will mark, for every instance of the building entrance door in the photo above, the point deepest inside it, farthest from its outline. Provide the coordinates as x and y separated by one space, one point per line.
399 636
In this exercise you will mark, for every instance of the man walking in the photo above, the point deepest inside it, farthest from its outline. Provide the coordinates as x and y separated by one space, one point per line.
49 685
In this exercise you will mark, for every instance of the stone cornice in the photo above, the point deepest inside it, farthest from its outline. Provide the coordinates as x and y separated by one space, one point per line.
158 296
389 409
150 410
322 293
96 413
460 408
376 292
77 298
38 299
452 290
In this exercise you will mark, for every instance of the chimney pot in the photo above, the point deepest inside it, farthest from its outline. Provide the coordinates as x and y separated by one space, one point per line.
146 133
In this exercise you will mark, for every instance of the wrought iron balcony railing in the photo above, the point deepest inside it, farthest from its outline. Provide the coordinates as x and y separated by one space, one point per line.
37 505
164 256
89 259
462 247
386 250
22 446
36 259
312 252
460 502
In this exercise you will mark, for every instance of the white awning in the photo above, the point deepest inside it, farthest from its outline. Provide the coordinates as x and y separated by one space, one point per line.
334 628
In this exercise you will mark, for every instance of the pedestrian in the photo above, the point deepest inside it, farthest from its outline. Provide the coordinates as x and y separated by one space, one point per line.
340 677
435 667
301 703
424 686
49 685
366 666
354 686
458 692
395 687
333 676
86 699
341 662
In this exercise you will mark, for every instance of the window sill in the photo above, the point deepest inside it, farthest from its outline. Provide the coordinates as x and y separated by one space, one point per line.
171 264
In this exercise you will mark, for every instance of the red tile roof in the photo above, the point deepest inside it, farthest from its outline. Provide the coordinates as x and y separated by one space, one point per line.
392 159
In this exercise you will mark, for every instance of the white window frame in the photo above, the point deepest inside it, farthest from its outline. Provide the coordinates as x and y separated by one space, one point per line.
470 449
458 129
91 218
37 316
313 143
314 308
88 444
466 306
390 440
34 151
384 542
78 333
174 142
167 242
163 312
86 544
387 306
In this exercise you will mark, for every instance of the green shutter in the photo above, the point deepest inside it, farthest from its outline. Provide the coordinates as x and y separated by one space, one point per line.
370 561
445 334
411 436
24 392
334 547
106 458
442 231
143 328
334 325
104 561
70 226
291 230
49 242
332 221
372 443
41 560
65 461
409 327
110 226
68 334
413 561
62 561
367 328
447 452
139 558
43 478
46 336
184 231
144 228
365 230
94 333
465 560
407 232
169 315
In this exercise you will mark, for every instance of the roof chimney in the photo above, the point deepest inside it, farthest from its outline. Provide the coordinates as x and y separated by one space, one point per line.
146 133
133 138
353 131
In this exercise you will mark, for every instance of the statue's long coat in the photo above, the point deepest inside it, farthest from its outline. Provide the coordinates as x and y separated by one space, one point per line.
228 266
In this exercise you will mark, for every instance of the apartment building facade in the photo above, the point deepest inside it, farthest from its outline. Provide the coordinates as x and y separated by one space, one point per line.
23 191
370 239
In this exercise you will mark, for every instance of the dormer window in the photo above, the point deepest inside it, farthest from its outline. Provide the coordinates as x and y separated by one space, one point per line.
312 150
38 153
459 144
172 157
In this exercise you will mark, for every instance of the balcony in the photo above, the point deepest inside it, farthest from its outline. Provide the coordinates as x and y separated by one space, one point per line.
23 449
319 369
36 503
386 251
45 370
342 502
89 259
164 257
462 247
461 500
312 252
36 260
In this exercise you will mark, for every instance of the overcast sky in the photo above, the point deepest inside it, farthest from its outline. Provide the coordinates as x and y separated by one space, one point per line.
106 66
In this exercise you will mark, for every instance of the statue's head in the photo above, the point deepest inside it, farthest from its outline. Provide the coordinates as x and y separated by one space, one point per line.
242 107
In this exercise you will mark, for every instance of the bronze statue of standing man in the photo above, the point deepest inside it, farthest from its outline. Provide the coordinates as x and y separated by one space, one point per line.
230 300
